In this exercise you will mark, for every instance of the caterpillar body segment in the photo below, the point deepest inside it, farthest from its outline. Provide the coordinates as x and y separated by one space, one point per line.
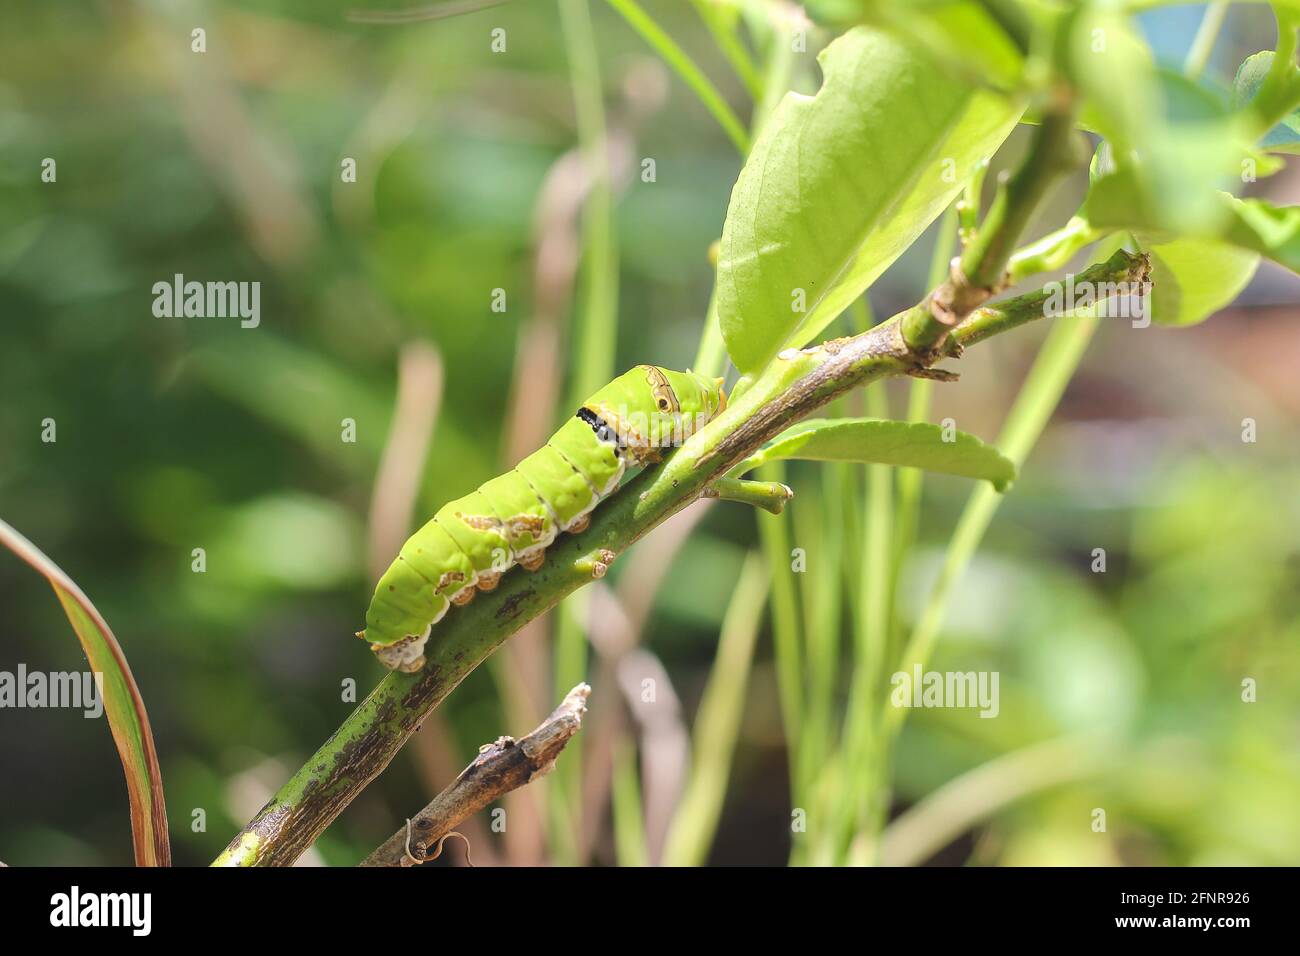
597 460
437 558
555 481
526 520
514 518
408 607
474 528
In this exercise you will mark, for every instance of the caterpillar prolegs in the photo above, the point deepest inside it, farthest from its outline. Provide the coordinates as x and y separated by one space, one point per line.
512 519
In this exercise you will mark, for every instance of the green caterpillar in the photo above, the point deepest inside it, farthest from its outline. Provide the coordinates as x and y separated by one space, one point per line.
512 519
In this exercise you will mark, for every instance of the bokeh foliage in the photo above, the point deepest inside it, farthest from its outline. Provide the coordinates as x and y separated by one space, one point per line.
177 434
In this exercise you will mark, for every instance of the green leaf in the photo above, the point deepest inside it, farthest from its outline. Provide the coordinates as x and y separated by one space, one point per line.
1272 231
838 185
1123 195
1115 202
122 704
884 442
1114 71
963 37
1174 142
1283 137
1194 278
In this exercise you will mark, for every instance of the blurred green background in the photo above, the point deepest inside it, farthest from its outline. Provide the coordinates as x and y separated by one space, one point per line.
175 434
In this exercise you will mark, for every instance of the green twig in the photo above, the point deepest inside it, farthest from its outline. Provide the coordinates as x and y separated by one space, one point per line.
685 68
981 272
729 43
787 617
711 359
1123 274
930 825
1038 397
629 817
1279 93
597 318
790 389
768 495
1053 251
1203 43
717 724
595 337
968 215
911 480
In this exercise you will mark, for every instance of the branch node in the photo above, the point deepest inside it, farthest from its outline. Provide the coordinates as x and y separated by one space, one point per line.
933 374
500 767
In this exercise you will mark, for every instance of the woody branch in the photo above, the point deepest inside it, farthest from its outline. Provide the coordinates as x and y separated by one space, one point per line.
793 386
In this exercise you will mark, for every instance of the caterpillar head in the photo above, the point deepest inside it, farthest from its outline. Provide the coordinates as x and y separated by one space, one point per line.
699 397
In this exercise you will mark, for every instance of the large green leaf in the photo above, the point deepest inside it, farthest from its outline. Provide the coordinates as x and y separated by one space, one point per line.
1191 279
839 184
884 442
122 704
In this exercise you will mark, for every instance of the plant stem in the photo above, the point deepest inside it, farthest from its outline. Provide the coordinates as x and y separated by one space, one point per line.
774 539
712 356
629 817
1206 34
777 72
1037 400
930 825
872 628
563 806
823 531
911 480
735 52
711 359
1279 94
1122 271
790 389
1055 151
967 210
596 326
717 724
1053 251
855 767
771 496
981 273
685 68
499 768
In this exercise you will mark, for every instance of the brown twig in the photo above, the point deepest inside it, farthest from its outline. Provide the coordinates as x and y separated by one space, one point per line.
499 768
